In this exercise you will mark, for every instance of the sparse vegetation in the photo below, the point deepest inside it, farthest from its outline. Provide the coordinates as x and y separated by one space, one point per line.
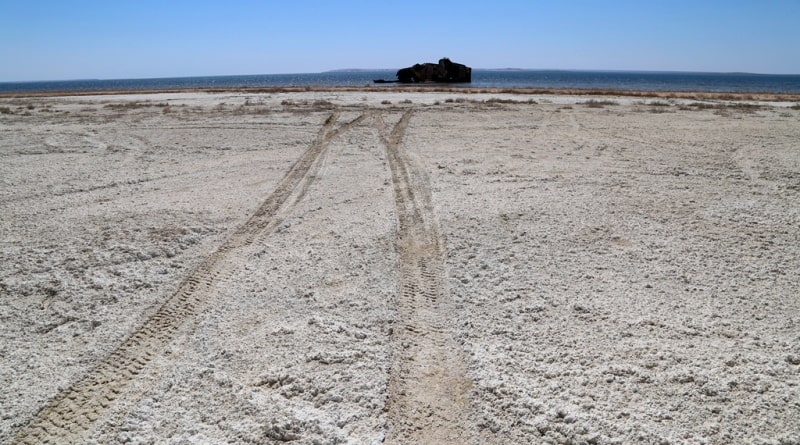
730 96
656 107
249 102
745 107
593 103
497 100
701 105
6 110
302 105
795 106
134 105
723 107
386 102
323 103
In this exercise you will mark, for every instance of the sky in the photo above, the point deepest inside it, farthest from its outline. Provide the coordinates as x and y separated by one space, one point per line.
117 39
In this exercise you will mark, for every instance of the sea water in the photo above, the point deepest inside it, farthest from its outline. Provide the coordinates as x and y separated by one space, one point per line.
481 78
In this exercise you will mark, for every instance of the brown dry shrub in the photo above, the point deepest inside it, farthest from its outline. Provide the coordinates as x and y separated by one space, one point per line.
593 103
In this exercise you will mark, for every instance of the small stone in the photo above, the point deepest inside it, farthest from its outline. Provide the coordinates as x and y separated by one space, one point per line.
580 309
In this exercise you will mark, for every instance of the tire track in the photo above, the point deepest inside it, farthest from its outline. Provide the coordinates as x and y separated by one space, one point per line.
297 182
70 414
428 385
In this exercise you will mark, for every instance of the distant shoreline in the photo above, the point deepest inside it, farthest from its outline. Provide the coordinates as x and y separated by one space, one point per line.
632 83
416 88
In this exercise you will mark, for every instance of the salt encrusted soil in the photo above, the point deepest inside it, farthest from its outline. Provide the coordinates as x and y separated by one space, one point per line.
252 268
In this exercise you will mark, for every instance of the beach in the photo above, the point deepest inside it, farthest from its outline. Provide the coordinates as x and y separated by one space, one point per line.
402 266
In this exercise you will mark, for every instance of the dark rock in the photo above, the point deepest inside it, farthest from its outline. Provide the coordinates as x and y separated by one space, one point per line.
443 72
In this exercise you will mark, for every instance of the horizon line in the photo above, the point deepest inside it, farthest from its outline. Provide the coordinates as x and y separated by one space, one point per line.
342 70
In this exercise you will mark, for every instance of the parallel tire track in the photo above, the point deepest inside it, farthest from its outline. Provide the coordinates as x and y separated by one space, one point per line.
71 413
299 178
428 386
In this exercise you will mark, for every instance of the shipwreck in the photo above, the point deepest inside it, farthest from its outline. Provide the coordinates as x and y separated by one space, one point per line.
445 71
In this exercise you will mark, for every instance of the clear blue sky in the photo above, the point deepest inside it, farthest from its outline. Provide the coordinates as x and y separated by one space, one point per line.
64 39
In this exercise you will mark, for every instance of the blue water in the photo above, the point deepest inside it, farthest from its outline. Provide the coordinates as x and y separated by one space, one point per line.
622 80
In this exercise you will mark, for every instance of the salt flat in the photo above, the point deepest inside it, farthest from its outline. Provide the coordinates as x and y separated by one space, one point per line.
399 267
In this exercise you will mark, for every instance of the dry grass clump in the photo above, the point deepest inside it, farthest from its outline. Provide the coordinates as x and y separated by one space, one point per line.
724 107
322 103
25 109
302 105
593 103
656 107
134 105
491 102
701 106
738 96
748 108
251 109
497 100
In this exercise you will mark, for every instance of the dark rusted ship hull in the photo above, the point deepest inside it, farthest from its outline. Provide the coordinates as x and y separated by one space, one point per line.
443 72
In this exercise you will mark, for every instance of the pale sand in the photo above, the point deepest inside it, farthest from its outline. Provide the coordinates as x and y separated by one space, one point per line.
407 267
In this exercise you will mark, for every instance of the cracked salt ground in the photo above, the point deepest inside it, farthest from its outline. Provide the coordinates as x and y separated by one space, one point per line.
330 268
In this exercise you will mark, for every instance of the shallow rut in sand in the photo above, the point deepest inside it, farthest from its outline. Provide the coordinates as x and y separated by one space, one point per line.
69 415
428 386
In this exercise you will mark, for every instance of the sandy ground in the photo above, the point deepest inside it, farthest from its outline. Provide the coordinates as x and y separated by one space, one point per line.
349 267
